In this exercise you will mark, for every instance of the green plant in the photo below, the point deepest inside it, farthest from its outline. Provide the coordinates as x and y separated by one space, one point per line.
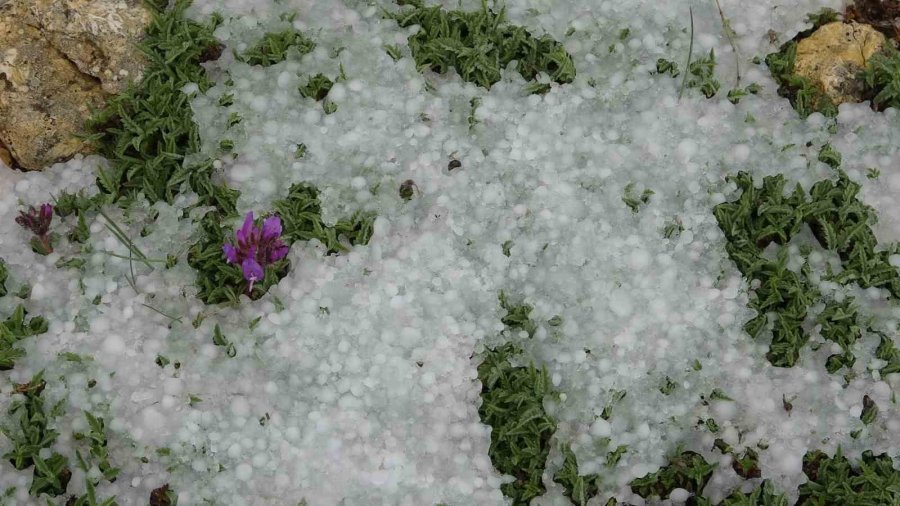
217 280
512 404
838 323
664 66
97 441
517 317
840 222
274 46
805 97
301 215
33 434
479 44
317 87
15 329
832 480
702 75
301 218
4 275
882 77
219 339
633 201
147 131
762 495
579 489
687 470
830 156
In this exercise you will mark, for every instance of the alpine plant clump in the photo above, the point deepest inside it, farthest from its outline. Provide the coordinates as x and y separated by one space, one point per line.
256 247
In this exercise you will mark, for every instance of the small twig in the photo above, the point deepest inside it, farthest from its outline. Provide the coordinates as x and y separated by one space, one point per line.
729 33
160 312
154 260
123 238
687 67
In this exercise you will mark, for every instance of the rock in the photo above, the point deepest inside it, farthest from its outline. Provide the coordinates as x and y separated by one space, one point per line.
5 156
98 36
882 14
833 56
58 60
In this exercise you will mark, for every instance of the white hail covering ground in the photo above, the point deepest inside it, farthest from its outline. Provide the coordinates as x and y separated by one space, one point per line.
351 417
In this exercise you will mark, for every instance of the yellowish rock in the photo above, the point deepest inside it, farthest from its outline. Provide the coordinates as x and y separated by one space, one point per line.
834 55
58 60
5 156
98 36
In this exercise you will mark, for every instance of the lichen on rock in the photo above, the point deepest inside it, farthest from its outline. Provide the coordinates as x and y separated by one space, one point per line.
833 57
59 60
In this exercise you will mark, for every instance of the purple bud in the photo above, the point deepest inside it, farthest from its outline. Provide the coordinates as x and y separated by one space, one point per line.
37 221
231 254
46 213
245 234
279 250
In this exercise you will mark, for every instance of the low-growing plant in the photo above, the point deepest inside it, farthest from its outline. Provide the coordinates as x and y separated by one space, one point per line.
833 480
147 131
702 75
882 77
274 46
14 329
578 488
4 275
804 95
300 214
763 495
317 87
686 470
840 222
33 434
635 201
830 156
512 405
479 44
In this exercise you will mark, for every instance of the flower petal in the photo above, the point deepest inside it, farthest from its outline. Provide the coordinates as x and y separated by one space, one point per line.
271 228
252 270
231 254
46 213
245 233
279 250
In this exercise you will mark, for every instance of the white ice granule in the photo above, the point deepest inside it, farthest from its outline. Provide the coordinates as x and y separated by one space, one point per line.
334 406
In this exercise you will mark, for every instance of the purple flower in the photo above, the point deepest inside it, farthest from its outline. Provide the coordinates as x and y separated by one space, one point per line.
256 246
38 222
